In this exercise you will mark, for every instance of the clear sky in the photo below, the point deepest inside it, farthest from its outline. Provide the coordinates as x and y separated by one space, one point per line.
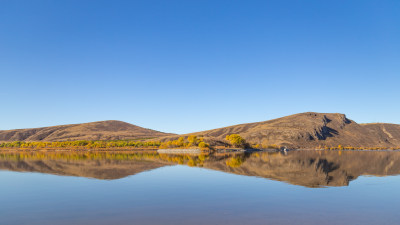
183 66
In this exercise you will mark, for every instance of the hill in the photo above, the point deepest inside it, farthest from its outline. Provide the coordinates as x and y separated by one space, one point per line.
310 130
303 130
102 130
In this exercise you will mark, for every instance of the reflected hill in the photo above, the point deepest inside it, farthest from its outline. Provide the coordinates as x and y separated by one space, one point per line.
107 166
313 168
305 168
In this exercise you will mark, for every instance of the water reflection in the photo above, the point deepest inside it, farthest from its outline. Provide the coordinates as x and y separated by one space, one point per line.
305 168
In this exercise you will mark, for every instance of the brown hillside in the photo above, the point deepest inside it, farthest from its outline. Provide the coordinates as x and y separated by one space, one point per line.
304 130
387 132
103 130
310 130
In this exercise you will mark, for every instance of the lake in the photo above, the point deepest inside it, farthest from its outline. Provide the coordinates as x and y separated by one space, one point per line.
300 187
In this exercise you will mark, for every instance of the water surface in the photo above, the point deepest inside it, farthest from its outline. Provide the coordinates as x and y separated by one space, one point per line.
302 187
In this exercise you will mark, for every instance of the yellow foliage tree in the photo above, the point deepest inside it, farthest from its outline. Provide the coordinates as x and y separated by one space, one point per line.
203 145
236 140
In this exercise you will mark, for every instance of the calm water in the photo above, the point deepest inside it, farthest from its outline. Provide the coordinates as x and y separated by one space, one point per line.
302 187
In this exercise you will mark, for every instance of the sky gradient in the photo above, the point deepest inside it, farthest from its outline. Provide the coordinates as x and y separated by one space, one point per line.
184 66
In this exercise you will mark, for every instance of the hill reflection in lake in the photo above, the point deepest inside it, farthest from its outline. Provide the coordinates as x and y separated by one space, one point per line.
101 188
305 168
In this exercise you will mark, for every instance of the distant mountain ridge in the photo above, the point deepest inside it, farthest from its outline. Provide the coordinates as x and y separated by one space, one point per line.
102 130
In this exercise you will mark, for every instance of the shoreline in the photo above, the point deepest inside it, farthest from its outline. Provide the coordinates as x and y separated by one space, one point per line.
189 150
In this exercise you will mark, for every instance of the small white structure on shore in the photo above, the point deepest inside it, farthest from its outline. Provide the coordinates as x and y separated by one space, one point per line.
179 150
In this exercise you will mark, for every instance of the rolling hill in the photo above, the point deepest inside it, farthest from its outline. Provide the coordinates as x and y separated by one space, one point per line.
303 130
102 130
310 130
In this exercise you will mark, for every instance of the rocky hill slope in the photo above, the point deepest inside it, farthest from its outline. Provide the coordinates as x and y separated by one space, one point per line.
310 130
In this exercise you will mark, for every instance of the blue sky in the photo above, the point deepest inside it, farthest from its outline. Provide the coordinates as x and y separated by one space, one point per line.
183 66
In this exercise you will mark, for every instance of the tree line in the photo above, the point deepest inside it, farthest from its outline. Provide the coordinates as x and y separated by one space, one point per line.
191 141
234 140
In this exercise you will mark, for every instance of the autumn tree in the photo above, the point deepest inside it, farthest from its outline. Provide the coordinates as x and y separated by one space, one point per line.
181 141
203 145
192 139
236 140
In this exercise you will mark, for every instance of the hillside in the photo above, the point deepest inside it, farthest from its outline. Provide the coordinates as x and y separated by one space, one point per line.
304 130
310 130
103 130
